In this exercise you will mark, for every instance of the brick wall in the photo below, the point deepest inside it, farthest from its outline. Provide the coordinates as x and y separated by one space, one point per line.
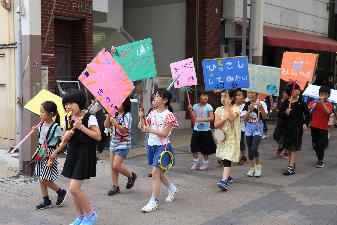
81 38
210 12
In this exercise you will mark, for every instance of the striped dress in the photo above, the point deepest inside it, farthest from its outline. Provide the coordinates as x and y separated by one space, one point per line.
52 134
230 148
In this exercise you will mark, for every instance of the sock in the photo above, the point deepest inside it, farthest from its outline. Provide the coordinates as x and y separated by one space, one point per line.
46 199
154 199
195 160
205 161
171 187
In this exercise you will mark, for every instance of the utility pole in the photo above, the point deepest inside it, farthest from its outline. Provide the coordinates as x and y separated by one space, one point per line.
244 29
256 31
19 97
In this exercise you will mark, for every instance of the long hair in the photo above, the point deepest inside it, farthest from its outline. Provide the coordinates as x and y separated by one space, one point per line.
51 108
165 94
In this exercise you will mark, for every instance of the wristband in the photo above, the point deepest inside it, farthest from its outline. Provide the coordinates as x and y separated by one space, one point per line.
81 127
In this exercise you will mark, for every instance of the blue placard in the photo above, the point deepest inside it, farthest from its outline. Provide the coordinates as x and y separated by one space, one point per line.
227 73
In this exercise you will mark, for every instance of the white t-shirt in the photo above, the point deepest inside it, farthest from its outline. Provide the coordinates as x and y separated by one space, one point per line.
253 115
159 121
91 122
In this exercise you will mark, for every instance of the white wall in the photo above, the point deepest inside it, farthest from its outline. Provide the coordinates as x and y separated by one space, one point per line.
309 16
115 15
165 24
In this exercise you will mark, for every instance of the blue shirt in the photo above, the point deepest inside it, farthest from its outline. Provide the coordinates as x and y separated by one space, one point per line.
201 111
53 139
121 140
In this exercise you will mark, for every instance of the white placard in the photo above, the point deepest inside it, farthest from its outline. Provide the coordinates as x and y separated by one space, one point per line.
313 91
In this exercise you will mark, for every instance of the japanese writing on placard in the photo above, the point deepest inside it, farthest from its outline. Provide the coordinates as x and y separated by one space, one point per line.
137 59
185 72
264 79
107 81
299 67
226 73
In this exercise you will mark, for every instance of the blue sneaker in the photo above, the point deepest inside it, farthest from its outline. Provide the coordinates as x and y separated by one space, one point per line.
77 220
230 180
223 185
90 219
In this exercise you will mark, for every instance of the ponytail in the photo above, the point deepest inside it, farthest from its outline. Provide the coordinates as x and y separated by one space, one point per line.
57 118
169 107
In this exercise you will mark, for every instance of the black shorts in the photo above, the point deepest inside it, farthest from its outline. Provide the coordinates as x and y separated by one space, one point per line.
242 141
203 142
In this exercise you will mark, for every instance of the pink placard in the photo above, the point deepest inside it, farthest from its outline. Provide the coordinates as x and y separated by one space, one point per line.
107 81
185 72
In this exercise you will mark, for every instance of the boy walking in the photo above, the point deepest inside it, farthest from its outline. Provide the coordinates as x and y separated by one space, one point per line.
321 111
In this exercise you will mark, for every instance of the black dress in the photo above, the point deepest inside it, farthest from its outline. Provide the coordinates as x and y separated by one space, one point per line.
80 162
293 123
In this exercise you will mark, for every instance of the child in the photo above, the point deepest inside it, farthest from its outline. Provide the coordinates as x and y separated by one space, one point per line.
202 140
120 145
319 126
295 115
160 124
240 97
255 111
49 136
80 163
278 132
227 119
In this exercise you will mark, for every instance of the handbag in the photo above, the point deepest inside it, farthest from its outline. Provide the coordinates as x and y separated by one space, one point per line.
220 135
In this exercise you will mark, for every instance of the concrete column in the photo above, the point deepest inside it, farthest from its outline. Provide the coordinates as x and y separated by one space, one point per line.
257 15
31 46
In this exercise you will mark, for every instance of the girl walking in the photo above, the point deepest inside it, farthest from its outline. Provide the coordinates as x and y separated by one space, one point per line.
80 162
120 145
202 140
255 111
160 123
295 115
49 135
227 120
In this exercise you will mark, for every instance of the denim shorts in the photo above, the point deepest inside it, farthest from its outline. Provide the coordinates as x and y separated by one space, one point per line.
121 152
254 129
153 153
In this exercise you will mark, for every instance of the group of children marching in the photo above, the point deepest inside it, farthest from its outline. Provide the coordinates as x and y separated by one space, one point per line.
238 124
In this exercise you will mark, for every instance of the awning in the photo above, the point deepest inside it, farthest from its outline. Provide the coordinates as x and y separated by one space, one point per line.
293 39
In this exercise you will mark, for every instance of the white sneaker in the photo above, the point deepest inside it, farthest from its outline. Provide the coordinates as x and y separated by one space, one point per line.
150 206
195 166
258 171
251 172
204 166
171 195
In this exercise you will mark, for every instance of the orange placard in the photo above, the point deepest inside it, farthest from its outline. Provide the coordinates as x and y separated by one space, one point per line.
299 67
